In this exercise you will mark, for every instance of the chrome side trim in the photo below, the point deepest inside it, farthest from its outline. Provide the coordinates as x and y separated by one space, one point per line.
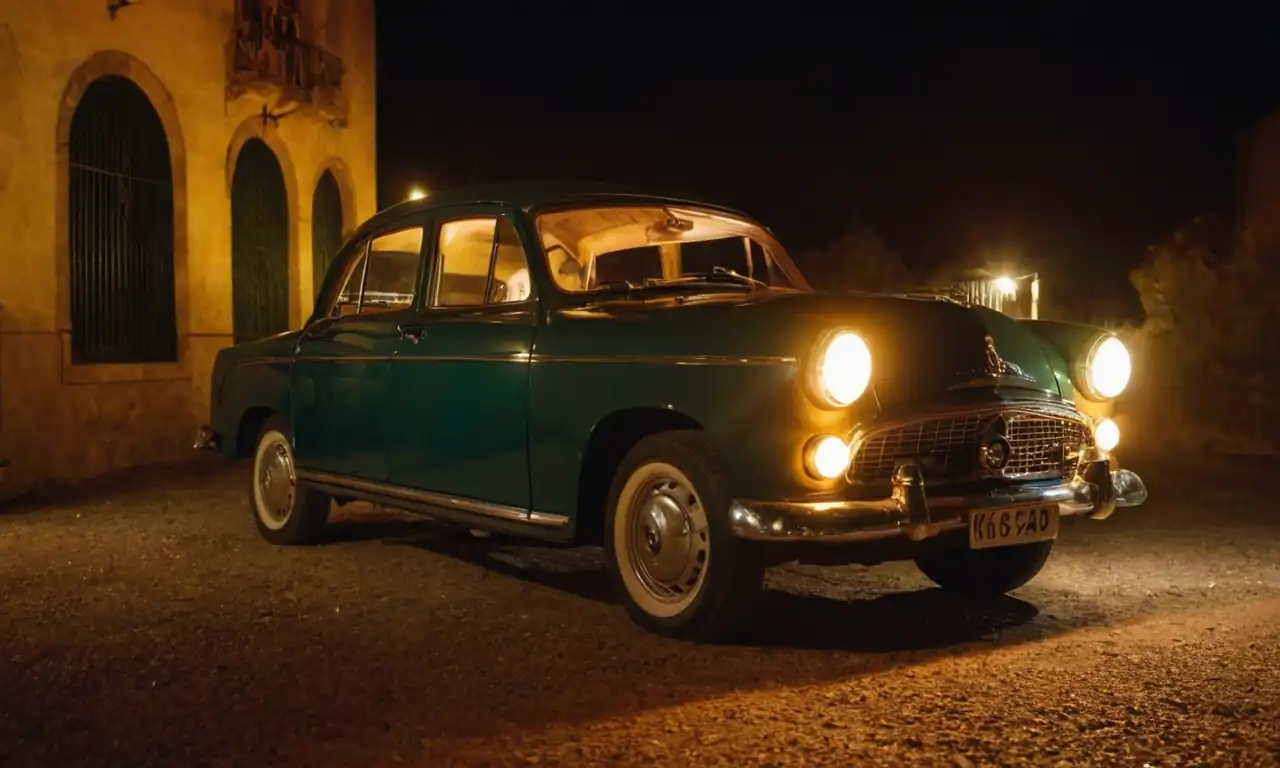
432 499
669 359
546 518
524 357
262 361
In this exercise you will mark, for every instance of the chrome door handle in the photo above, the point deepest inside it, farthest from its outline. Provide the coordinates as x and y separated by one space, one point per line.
413 333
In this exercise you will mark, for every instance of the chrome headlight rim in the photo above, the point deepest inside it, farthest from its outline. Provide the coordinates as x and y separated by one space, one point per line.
814 383
1084 371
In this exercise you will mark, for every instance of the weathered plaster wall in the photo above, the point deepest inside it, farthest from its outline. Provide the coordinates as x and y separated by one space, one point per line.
59 421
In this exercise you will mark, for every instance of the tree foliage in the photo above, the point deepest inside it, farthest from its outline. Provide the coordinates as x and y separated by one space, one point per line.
857 260
1208 348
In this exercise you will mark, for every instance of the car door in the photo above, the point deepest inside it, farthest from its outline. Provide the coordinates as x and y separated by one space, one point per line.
462 387
339 385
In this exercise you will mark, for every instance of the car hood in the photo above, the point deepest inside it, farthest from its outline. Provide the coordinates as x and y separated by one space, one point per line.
924 349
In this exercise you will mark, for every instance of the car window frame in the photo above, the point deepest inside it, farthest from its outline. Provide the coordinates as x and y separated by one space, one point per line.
433 264
359 246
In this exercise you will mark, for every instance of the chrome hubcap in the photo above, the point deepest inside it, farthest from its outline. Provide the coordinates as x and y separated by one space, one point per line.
276 483
667 539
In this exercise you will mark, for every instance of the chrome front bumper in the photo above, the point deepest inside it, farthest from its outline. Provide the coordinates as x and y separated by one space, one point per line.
206 439
1096 491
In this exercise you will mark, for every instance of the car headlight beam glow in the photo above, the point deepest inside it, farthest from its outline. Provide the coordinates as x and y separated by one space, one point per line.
842 369
1107 369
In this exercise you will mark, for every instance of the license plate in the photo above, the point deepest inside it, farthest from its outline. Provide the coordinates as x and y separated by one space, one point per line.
1010 526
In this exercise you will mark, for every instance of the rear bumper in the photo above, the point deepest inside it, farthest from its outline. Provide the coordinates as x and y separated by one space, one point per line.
206 439
1096 491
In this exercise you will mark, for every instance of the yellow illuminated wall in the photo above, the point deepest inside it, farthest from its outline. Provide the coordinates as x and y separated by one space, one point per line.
64 421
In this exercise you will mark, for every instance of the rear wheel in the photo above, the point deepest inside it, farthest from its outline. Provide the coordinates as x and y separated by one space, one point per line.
284 513
985 571
675 564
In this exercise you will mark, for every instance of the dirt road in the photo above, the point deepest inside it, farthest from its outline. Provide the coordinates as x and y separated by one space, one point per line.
144 622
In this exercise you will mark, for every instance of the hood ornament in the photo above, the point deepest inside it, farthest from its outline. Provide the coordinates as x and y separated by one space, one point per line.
995 372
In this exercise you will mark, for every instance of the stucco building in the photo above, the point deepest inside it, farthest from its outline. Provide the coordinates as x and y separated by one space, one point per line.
175 175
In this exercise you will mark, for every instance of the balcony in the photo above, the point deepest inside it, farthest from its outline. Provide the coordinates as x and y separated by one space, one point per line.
294 71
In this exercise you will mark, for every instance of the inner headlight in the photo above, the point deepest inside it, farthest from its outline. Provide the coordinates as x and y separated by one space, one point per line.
1107 369
842 369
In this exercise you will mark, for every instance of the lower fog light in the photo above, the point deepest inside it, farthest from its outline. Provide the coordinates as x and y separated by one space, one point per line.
1106 434
827 457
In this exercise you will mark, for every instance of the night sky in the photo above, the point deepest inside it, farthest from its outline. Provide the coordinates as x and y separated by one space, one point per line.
1066 142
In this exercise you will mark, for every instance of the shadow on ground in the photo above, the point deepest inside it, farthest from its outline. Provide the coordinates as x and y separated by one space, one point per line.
926 619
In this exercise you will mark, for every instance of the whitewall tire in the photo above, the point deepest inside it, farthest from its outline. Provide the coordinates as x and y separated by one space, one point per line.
284 512
675 564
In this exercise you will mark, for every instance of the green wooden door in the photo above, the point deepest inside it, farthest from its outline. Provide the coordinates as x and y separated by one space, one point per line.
259 244
326 227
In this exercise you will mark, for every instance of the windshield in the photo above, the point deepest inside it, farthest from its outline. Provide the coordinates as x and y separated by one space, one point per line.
637 246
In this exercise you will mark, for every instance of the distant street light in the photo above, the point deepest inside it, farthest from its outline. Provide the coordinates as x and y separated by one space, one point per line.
1035 296
1008 288
417 193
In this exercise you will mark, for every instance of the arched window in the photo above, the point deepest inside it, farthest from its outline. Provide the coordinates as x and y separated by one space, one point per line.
326 226
120 229
259 244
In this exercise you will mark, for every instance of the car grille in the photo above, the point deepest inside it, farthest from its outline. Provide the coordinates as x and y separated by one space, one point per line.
1037 442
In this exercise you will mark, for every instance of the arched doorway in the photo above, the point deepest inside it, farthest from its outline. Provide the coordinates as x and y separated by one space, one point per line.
120 232
326 226
259 244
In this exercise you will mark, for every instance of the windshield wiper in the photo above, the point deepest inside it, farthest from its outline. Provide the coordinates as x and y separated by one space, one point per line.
717 275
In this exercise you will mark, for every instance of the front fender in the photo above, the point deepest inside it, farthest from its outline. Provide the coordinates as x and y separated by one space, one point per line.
746 411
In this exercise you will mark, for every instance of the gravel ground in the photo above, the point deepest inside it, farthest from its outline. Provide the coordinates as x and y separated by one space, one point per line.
145 623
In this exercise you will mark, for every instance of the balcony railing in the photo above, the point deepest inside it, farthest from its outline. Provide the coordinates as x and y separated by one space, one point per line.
302 71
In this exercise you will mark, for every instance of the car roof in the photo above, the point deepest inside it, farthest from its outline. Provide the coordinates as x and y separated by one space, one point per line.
527 195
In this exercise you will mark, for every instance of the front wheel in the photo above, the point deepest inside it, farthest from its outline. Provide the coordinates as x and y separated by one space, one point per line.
985 571
675 564
284 513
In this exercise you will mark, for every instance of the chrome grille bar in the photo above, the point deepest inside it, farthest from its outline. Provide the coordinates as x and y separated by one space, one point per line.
1044 444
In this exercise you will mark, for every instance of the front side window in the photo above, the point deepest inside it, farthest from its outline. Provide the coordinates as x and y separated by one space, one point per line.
596 248
381 277
481 263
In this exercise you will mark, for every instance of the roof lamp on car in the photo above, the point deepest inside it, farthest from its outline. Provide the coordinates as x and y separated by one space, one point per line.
841 369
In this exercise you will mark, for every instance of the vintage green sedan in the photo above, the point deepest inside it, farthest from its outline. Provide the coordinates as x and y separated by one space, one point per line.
584 365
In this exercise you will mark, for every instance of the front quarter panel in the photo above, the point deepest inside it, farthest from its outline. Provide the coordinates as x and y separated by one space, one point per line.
1071 342
742 394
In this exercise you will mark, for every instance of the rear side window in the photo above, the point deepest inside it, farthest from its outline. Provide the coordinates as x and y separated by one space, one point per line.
482 262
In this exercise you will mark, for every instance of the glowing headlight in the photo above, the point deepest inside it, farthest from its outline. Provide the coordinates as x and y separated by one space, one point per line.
843 369
1107 369
826 457
1106 434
